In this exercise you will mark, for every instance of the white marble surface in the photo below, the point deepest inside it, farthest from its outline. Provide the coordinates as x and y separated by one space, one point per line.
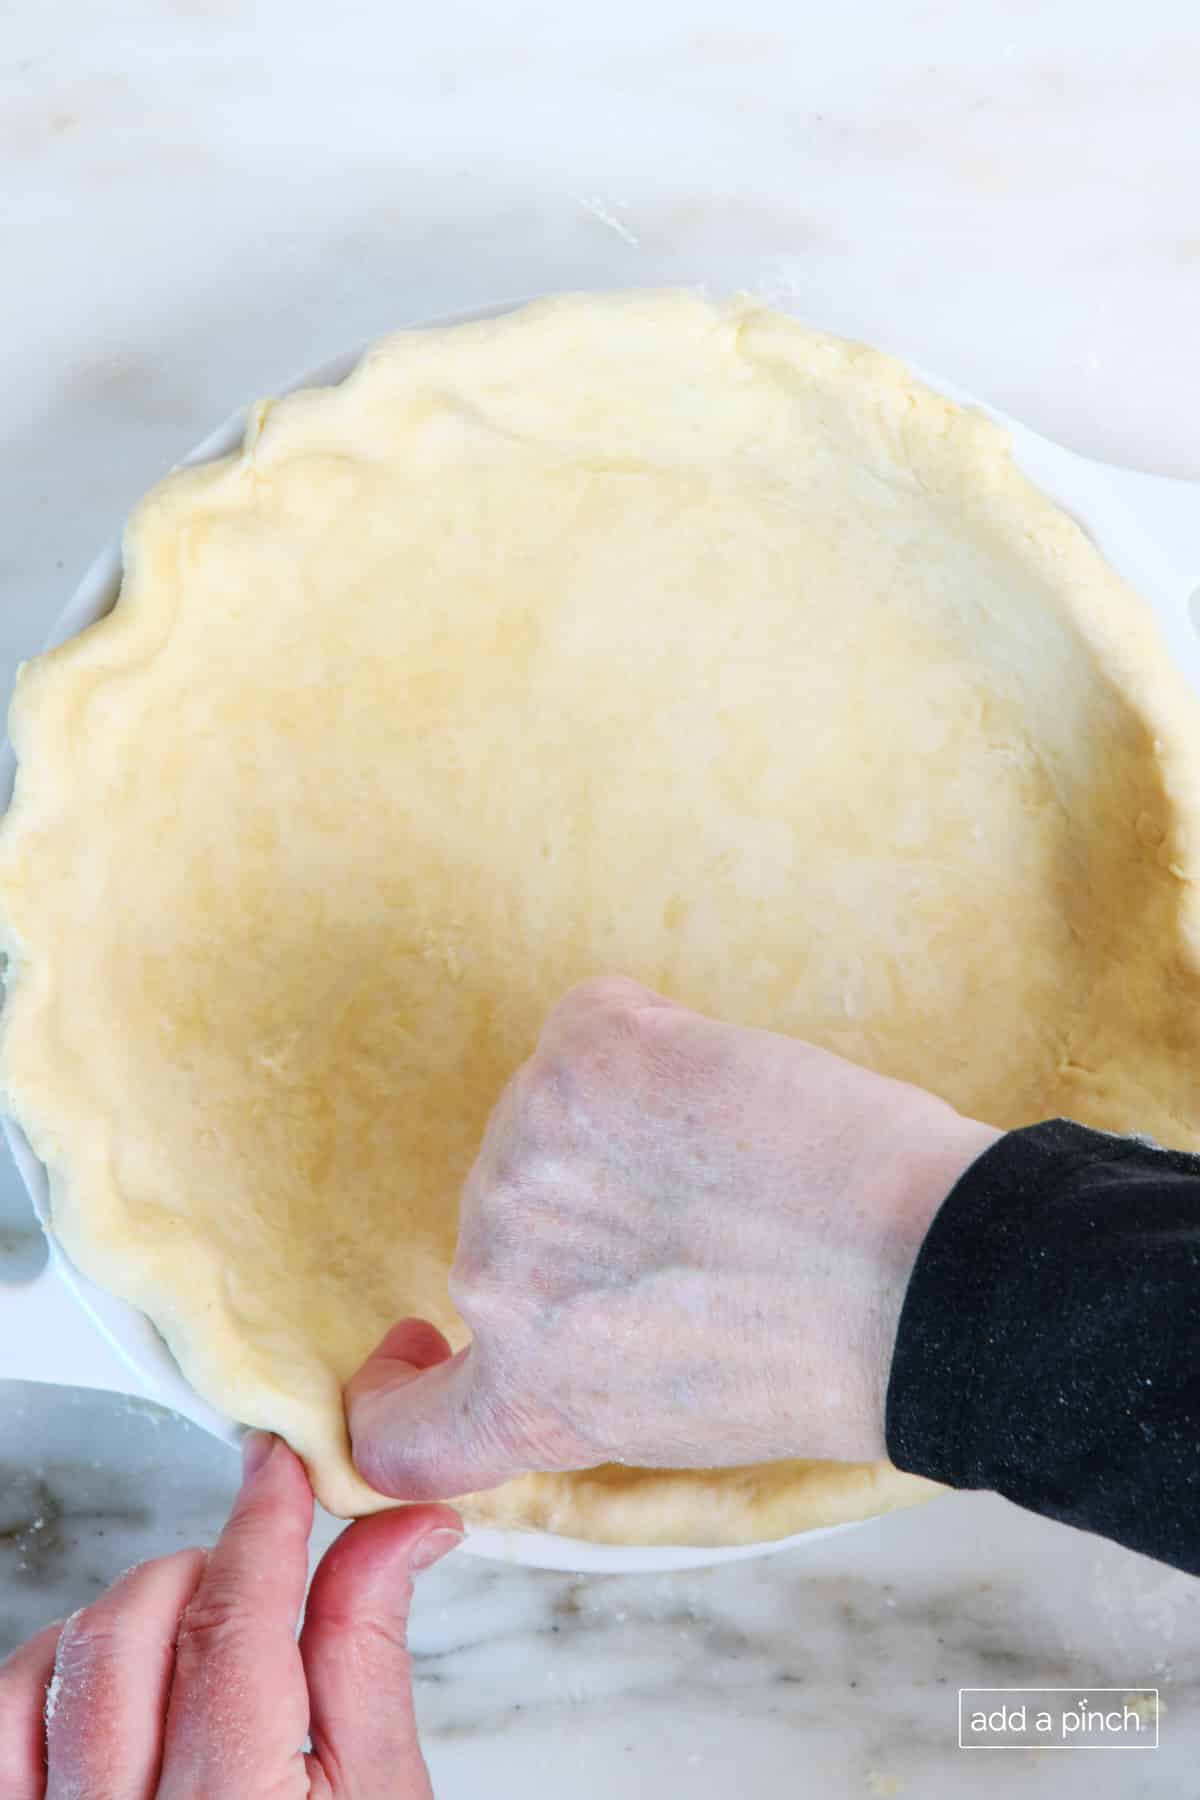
204 196
819 1674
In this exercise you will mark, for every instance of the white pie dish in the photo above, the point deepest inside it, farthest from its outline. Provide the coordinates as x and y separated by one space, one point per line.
1149 530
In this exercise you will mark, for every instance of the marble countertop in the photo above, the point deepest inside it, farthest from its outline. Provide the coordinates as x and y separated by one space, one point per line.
822 1673
203 197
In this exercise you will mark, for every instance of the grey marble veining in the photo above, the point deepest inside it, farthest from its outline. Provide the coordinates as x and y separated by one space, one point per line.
827 1671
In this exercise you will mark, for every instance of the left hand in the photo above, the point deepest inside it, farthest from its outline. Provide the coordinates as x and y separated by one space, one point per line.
186 1679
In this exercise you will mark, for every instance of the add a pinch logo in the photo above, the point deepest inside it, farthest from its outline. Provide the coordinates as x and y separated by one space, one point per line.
1058 1718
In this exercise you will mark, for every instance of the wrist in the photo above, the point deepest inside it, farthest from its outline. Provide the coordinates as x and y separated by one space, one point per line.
929 1158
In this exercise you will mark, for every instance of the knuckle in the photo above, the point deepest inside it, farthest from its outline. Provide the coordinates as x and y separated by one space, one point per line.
350 1632
605 993
485 1258
469 1284
469 1267
562 1084
488 1297
659 1051
505 1204
93 1651
541 1089
529 1118
89 1639
538 1130
211 1625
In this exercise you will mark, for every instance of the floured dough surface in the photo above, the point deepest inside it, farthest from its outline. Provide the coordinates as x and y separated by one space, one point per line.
621 634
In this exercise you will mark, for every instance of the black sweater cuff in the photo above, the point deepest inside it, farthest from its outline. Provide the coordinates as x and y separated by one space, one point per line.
1047 1342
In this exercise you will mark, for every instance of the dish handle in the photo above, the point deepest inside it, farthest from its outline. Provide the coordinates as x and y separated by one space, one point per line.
45 1335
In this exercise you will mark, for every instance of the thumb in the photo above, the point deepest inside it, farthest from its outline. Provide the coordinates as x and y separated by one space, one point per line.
355 1653
420 1419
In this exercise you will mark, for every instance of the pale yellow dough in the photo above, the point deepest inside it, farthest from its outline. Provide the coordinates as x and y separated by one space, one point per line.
621 634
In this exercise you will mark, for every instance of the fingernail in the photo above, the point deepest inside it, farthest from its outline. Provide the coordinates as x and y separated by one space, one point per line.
256 1447
434 1545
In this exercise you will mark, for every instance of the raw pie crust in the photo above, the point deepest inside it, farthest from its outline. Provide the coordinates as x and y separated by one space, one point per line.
632 634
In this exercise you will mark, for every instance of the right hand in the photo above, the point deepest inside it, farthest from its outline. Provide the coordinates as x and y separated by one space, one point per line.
683 1244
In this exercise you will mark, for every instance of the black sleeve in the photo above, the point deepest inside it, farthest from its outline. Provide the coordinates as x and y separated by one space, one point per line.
1048 1342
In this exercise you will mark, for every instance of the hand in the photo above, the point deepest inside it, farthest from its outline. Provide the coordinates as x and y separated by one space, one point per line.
683 1244
185 1679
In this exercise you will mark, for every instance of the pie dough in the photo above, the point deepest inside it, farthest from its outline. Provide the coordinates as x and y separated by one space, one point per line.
629 633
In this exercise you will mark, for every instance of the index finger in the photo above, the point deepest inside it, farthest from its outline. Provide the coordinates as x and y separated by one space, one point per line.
238 1715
